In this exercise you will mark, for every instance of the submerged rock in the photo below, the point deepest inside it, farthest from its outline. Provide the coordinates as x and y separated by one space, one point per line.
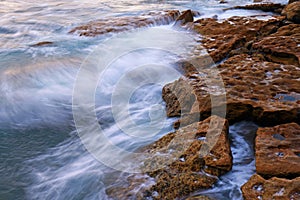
275 188
292 12
277 150
119 24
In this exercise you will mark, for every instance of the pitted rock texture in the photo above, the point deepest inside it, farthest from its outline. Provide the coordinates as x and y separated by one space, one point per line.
277 150
283 46
120 24
292 12
267 7
185 174
183 162
221 37
265 92
275 188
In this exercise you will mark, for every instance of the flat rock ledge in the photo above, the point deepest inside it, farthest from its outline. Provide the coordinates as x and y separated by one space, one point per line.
277 150
275 188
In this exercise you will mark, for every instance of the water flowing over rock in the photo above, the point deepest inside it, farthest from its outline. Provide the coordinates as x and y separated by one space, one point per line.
275 188
292 12
185 17
185 169
120 24
277 150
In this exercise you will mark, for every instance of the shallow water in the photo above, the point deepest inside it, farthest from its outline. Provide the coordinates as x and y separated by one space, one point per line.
41 156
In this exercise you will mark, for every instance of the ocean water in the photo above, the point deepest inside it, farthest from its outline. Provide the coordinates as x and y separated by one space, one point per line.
41 153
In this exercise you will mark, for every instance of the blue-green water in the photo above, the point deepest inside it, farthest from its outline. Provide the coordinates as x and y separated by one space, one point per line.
41 156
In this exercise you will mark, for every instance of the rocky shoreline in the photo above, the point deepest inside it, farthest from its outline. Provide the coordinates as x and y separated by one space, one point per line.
258 59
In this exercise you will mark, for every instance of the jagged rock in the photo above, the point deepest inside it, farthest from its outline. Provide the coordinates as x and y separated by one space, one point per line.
182 162
185 173
185 17
119 24
221 37
265 92
282 46
292 1
275 188
266 7
45 43
292 12
277 150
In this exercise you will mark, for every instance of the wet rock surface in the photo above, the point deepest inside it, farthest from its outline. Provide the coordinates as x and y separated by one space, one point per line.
221 37
267 7
275 188
283 46
292 11
278 150
185 161
258 90
120 24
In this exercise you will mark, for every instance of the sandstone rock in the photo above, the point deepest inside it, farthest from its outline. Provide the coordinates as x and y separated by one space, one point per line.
274 188
185 173
185 17
292 1
277 150
292 12
267 7
221 37
119 24
182 162
282 46
265 92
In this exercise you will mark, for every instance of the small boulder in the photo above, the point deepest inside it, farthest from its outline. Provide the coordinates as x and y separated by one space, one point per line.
185 17
292 12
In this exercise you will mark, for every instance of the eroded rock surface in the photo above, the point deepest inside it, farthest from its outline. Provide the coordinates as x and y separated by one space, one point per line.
186 160
292 11
277 150
221 37
265 92
267 7
119 24
275 188
283 46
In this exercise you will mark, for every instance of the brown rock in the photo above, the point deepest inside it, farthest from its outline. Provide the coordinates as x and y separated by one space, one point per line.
220 38
266 7
274 188
185 17
292 1
44 43
277 150
265 92
292 12
185 173
120 24
182 162
282 46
